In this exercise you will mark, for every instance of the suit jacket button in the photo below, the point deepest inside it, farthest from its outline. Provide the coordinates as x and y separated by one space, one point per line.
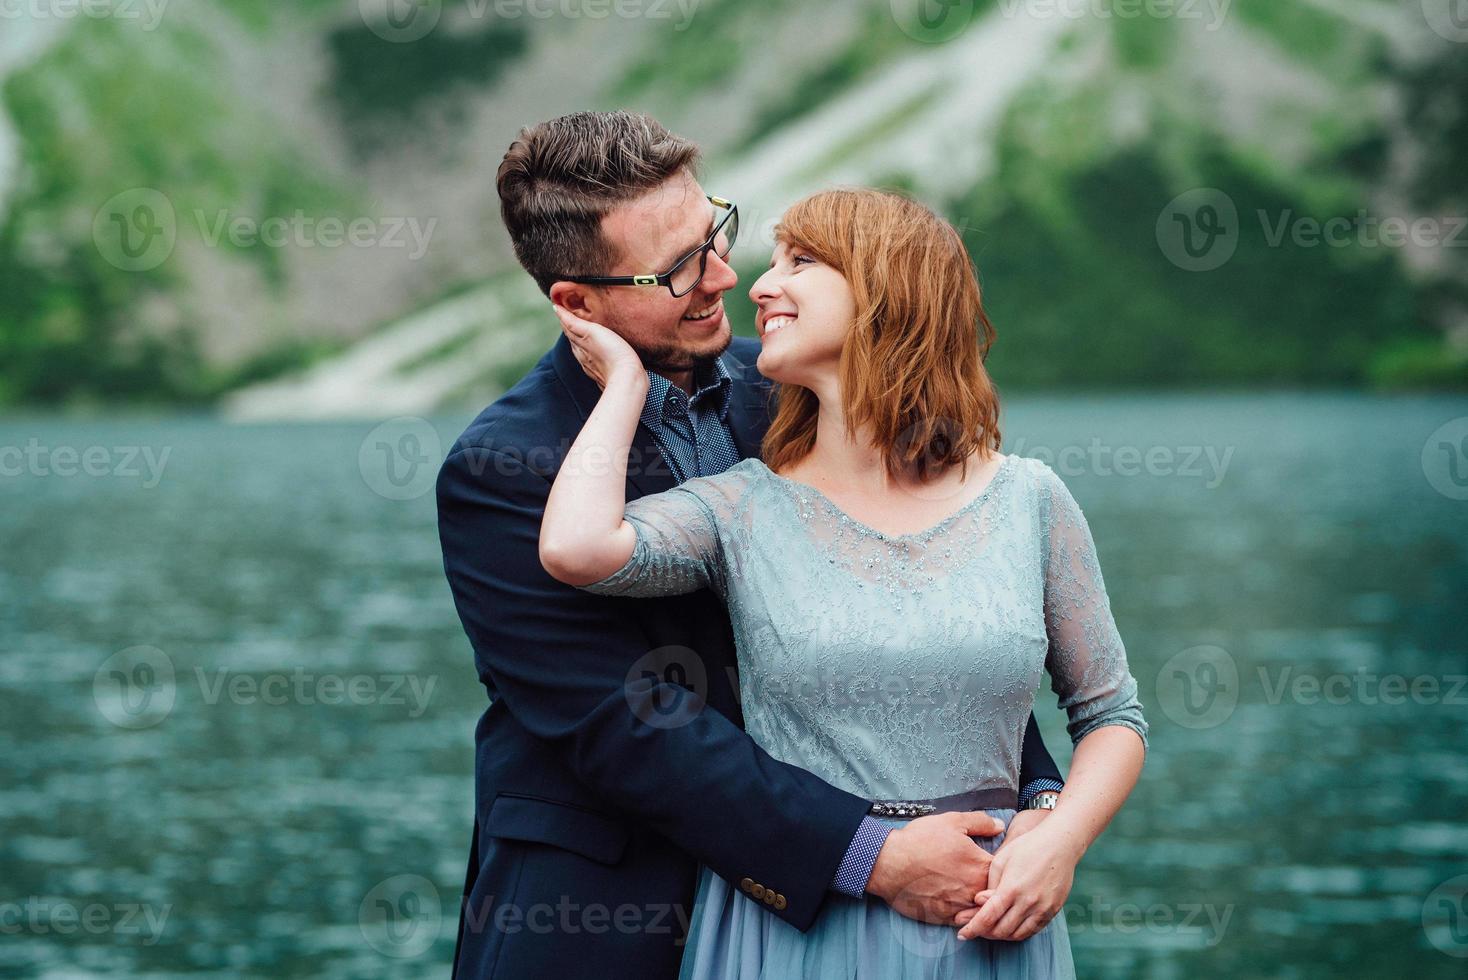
746 884
770 897
779 902
758 891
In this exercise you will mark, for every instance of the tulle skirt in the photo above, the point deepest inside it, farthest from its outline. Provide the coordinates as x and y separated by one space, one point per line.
731 937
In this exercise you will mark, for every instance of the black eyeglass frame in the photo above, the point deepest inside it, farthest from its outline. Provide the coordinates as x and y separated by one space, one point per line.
666 278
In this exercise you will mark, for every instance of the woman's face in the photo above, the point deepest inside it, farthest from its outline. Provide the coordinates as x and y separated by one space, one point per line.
806 309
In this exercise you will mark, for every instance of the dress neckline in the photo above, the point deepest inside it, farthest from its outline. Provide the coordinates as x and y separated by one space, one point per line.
1005 465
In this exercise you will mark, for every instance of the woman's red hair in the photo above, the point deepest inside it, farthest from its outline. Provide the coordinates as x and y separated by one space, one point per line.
912 368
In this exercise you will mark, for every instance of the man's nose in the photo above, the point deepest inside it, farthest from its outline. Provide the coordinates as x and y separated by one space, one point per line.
719 275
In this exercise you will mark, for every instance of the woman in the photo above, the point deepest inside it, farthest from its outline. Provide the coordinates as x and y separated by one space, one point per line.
896 586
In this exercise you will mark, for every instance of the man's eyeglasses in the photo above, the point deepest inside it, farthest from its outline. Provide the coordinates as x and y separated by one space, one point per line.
687 272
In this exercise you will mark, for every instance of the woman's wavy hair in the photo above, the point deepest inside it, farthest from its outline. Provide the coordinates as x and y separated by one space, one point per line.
912 367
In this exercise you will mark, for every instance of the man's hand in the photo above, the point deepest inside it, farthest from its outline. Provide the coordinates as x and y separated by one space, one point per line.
1029 881
930 868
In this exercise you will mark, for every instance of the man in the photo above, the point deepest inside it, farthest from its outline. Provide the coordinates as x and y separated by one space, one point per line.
612 757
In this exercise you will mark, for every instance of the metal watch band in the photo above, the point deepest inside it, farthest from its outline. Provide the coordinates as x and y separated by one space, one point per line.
1046 799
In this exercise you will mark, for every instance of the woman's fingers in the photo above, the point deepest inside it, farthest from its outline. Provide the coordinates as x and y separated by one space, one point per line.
584 344
996 871
1008 926
1002 916
1032 925
983 923
575 327
1029 922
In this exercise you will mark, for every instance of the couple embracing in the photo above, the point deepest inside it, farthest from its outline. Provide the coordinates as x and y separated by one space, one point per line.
762 620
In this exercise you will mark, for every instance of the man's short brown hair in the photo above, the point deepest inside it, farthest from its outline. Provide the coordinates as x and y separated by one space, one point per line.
560 178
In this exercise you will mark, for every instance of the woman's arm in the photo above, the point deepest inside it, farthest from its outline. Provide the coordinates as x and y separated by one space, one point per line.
1030 880
1104 770
583 537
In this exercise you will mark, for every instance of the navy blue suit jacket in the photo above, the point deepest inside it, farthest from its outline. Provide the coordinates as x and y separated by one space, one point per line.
599 785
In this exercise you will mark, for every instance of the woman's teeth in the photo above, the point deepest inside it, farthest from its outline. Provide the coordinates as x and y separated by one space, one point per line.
704 313
776 322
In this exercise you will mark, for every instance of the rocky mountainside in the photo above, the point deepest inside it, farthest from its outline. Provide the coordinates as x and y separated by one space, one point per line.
289 209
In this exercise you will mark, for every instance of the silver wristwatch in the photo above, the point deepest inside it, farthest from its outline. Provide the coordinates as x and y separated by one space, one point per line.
1043 800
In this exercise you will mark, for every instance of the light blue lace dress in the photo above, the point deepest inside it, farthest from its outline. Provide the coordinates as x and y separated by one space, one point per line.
894 667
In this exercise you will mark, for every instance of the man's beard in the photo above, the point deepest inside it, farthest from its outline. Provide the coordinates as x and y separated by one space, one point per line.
671 358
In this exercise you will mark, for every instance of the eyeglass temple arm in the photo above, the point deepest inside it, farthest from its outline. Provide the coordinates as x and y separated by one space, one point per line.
655 279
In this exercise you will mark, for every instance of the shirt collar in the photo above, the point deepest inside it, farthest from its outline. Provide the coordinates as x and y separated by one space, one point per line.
711 382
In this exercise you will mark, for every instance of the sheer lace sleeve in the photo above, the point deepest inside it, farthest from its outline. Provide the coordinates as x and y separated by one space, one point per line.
1087 662
678 548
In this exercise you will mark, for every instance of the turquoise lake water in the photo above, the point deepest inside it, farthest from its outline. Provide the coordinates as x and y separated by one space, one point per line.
239 707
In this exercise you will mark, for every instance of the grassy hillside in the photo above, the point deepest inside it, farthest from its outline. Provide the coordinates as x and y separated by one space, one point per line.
1294 111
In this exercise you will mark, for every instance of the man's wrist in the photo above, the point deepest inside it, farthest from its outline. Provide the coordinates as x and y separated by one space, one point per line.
1035 786
1043 801
856 866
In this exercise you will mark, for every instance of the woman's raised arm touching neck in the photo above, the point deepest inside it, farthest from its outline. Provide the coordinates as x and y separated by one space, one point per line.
583 537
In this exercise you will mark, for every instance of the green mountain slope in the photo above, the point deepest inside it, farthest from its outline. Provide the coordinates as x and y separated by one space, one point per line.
1073 152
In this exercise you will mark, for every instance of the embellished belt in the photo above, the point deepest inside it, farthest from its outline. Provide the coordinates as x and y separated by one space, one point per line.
995 798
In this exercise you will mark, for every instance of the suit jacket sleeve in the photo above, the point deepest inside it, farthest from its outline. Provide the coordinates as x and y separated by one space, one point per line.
1035 761
564 662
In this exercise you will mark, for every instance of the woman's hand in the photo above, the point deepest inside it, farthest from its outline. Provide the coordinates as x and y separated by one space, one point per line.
1030 878
583 537
601 351
1029 881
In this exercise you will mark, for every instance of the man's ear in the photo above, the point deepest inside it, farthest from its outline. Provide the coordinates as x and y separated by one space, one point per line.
577 298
